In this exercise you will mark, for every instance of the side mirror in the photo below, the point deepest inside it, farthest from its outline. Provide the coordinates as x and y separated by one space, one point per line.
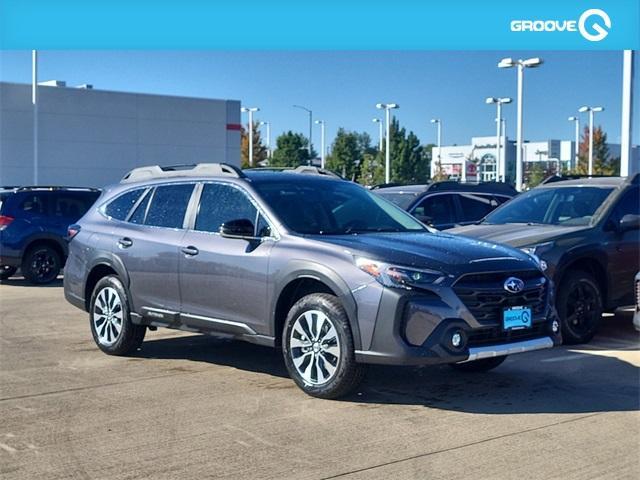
629 222
240 228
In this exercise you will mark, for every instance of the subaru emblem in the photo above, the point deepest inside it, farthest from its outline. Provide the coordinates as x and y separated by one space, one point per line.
513 285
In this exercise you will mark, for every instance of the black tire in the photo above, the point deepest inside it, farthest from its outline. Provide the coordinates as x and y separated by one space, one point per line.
346 373
483 365
105 333
579 304
6 271
41 264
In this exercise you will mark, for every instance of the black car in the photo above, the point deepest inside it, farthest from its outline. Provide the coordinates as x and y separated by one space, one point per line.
33 227
586 233
448 204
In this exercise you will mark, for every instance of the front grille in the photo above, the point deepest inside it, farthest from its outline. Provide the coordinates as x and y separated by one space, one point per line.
485 297
496 336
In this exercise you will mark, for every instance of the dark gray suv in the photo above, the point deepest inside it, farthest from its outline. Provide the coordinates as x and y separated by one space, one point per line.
331 273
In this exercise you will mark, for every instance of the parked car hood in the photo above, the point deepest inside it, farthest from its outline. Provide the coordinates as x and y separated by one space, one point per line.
517 234
441 251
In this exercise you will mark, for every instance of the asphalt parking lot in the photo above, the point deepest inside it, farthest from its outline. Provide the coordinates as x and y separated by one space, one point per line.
193 406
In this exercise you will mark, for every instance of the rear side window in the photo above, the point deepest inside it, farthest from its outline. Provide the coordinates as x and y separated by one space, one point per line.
33 204
169 205
72 205
122 205
221 203
476 206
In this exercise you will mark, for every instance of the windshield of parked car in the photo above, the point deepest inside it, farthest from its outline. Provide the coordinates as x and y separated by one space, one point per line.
333 208
552 206
401 199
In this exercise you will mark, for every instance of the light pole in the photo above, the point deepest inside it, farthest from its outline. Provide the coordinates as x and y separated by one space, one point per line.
310 146
321 123
576 156
268 125
592 111
500 163
438 124
387 107
379 122
521 65
34 101
250 111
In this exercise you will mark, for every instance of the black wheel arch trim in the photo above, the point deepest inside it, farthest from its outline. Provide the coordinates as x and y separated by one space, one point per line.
112 261
299 269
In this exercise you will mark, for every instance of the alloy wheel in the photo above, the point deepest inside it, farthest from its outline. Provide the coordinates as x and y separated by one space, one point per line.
107 316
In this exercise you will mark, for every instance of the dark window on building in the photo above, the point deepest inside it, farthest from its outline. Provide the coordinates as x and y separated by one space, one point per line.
222 203
168 206
122 205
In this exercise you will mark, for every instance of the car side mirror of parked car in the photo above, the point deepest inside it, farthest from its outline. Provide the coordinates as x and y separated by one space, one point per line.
240 228
629 222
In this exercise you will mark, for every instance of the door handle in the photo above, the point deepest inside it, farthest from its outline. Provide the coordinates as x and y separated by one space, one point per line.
190 250
125 242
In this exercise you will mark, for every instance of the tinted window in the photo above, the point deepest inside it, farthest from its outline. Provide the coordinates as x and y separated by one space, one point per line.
327 207
476 206
221 203
33 204
436 210
628 204
120 207
141 210
401 199
263 229
168 206
552 206
72 205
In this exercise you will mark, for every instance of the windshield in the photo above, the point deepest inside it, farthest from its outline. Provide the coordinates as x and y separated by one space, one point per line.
334 208
401 199
552 206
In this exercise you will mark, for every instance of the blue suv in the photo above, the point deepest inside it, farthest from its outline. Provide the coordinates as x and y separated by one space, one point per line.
33 228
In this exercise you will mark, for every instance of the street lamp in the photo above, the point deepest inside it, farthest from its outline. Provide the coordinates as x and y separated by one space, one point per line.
268 125
576 156
379 122
250 111
500 158
310 146
521 65
387 107
592 111
321 123
438 124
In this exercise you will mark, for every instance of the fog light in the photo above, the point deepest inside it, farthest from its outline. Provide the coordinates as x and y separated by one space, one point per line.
456 339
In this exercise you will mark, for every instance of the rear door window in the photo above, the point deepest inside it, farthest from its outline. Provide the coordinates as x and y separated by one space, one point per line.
169 205
120 207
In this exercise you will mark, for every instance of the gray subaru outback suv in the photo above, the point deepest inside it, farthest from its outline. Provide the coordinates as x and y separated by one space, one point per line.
331 273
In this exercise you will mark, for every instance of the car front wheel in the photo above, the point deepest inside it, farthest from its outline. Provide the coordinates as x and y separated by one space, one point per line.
579 305
111 325
318 347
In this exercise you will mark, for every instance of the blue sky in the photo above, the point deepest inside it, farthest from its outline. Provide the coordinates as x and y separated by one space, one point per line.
342 88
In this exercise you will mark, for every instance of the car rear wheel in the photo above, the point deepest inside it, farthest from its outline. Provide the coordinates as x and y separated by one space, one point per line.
111 325
41 264
7 271
318 347
483 365
579 305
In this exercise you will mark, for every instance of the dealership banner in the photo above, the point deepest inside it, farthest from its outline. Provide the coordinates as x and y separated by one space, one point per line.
330 24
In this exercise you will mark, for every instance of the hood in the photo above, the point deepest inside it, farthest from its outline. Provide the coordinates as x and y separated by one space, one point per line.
441 251
517 234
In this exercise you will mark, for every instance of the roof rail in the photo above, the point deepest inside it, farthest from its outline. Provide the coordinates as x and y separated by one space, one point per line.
560 178
190 170
311 170
56 187
453 185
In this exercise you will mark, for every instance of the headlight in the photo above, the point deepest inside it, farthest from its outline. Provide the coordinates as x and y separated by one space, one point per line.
537 251
398 276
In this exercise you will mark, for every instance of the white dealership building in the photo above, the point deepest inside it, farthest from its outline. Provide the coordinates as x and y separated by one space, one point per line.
90 137
477 161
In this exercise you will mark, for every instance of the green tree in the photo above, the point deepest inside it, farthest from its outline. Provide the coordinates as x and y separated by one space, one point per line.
371 169
291 150
408 158
603 163
259 150
346 154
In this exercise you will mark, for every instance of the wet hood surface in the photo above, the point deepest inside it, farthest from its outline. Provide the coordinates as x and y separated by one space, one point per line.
441 251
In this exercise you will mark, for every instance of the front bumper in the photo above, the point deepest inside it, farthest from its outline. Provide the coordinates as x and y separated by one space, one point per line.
416 328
